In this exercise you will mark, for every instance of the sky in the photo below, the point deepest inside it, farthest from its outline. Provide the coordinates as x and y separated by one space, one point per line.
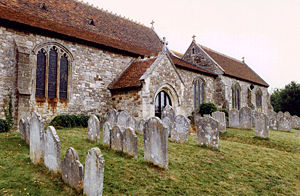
265 32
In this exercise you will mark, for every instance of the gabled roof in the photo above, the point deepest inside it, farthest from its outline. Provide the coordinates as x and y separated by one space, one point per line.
234 67
131 76
79 20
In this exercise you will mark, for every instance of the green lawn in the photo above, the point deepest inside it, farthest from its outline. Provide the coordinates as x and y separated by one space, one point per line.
243 165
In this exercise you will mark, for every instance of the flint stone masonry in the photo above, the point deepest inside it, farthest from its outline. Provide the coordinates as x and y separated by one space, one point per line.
94 128
111 117
245 118
140 127
168 124
106 134
52 150
284 122
180 130
72 169
273 120
94 173
221 118
36 138
130 142
234 119
295 122
261 126
122 119
156 143
207 132
116 138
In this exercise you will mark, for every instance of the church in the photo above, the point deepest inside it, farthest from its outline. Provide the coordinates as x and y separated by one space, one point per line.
65 56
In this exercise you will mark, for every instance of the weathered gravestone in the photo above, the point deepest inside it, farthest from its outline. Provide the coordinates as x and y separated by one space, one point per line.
284 122
168 124
261 126
245 118
156 143
94 129
254 114
272 120
207 132
22 128
279 115
106 134
52 150
131 123
27 130
169 112
130 142
140 127
94 173
72 169
111 117
122 119
221 118
116 138
36 138
180 130
234 119
295 122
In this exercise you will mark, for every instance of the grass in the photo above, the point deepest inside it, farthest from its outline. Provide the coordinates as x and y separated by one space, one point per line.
243 165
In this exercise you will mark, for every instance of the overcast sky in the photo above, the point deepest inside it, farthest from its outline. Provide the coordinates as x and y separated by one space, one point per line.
265 32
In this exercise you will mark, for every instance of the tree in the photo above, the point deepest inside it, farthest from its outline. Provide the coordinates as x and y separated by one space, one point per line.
287 99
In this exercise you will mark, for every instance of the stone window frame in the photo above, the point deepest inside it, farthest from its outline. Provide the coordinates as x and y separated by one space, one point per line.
61 51
236 96
170 90
199 92
258 98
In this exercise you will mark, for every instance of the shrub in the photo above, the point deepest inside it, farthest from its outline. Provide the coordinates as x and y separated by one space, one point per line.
207 108
69 121
3 126
8 113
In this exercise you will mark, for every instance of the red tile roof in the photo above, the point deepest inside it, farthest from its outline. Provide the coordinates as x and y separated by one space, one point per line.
235 68
131 76
71 18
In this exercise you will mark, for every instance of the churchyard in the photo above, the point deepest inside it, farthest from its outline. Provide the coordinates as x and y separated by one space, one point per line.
242 163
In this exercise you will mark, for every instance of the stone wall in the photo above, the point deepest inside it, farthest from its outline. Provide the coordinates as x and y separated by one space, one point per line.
92 70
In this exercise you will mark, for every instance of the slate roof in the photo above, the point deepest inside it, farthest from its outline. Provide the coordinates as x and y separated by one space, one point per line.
73 18
234 67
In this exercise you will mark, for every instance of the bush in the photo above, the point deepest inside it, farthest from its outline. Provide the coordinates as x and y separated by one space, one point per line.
3 126
207 108
69 121
8 113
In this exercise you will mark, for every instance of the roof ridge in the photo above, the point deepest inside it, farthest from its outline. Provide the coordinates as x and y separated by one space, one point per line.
225 55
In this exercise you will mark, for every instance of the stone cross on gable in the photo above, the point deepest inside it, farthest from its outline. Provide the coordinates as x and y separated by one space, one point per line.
152 24
194 36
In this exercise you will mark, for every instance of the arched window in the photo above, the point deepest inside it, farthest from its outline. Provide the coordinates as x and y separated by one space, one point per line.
236 95
162 99
199 92
258 96
52 71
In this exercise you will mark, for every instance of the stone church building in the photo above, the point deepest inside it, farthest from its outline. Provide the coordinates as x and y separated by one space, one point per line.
64 56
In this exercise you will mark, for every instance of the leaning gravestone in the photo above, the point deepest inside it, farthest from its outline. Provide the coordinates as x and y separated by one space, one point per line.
156 143
94 129
116 138
207 132
245 118
140 127
36 138
22 128
234 120
284 122
221 118
180 130
72 169
168 124
273 120
94 173
111 117
130 142
106 134
261 126
122 119
52 150
295 122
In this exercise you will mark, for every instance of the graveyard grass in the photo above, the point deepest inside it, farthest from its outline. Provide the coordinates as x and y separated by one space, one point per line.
243 165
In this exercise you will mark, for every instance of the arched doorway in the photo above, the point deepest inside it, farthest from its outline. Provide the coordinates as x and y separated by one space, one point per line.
162 99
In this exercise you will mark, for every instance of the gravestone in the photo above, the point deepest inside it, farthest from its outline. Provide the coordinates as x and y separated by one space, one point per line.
140 127
22 128
130 142
36 138
94 173
295 122
106 134
221 118
169 112
245 118
122 120
284 122
254 114
279 115
234 119
180 131
207 132
27 130
94 128
168 124
261 126
156 143
273 120
72 169
111 117
116 138
52 150
131 123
